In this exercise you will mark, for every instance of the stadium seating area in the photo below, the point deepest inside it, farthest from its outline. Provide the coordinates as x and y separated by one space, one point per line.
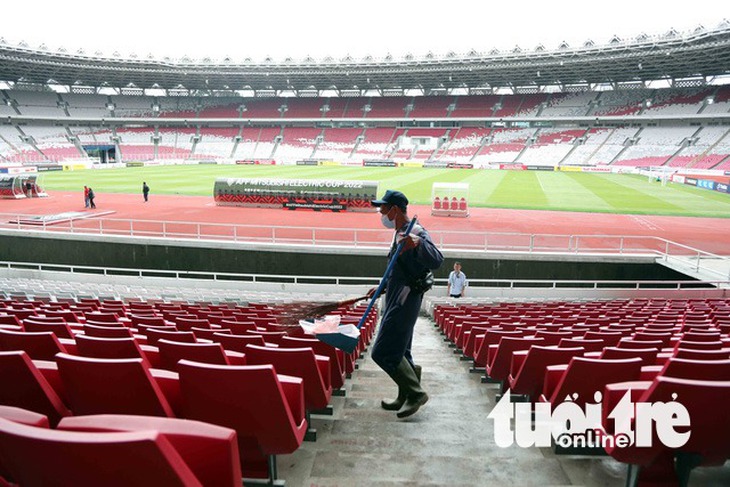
552 351
699 147
103 366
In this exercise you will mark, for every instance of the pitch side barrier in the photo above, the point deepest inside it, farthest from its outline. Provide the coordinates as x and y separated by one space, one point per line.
293 194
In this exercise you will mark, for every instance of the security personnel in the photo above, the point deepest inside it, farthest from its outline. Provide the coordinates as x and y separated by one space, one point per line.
392 348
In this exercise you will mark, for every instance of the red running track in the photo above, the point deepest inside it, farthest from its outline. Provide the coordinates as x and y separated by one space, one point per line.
708 234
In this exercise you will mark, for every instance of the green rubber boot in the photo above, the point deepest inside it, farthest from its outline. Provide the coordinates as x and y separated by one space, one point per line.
396 404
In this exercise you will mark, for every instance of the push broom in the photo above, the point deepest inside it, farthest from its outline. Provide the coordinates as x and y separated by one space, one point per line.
290 314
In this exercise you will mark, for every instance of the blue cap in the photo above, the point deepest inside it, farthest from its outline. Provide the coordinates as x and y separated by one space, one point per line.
393 198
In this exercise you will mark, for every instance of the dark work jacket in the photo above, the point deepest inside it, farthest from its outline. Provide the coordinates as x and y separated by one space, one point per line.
402 306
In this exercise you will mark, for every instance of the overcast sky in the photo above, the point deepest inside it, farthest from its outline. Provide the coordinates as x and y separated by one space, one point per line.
257 28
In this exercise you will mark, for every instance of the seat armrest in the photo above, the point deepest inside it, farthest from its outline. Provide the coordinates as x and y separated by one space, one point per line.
648 372
235 358
613 393
323 364
553 374
518 358
70 345
49 370
152 354
293 388
169 383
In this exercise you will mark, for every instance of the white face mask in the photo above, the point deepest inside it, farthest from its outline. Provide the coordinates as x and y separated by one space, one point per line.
387 223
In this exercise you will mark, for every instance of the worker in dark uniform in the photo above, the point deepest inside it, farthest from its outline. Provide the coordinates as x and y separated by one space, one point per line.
404 293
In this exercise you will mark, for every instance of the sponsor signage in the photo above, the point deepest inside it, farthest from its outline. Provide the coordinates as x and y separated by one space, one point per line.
723 188
596 169
50 167
411 164
308 162
257 162
207 162
690 181
459 165
540 168
435 164
512 167
705 183
322 194
314 205
376 163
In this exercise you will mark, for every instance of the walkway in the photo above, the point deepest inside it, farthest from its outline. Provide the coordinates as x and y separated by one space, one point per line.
448 442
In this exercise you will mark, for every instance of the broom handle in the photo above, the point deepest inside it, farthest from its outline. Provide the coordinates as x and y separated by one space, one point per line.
387 273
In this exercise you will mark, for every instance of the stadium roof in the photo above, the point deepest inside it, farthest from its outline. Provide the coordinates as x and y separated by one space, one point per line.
700 54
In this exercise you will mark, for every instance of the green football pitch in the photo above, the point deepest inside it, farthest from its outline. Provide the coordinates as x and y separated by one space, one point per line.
546 190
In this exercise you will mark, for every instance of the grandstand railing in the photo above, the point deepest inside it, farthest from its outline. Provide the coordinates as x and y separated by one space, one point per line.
229 277
672 253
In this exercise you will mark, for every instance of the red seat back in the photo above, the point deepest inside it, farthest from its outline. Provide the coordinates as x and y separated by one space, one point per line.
111 386
98 347
25 387
238 343
210 451
697 369
297 362
586 376
107 331
647 355
143 458
707 403
172 352
61 330
38 345
248 399
155 334
337 357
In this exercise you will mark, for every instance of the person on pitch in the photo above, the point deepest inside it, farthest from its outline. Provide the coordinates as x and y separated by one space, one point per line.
409 279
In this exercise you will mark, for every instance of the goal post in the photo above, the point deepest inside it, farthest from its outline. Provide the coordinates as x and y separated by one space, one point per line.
450 199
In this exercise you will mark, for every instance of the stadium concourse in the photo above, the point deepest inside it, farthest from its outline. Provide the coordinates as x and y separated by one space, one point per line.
706 234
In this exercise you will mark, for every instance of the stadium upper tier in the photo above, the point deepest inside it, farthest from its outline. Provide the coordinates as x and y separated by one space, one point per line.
677 127
679 103
702 53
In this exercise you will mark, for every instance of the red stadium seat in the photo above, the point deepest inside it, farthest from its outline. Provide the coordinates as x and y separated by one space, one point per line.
499 366
298 362
156 334
61 330
210 353
528 379
100 347
337 357
266 410
111 386
210 451
583 377
142 458
707 403
38 345
25 387
238 343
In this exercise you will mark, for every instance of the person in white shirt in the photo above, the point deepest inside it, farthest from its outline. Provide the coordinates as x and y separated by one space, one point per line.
457 282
